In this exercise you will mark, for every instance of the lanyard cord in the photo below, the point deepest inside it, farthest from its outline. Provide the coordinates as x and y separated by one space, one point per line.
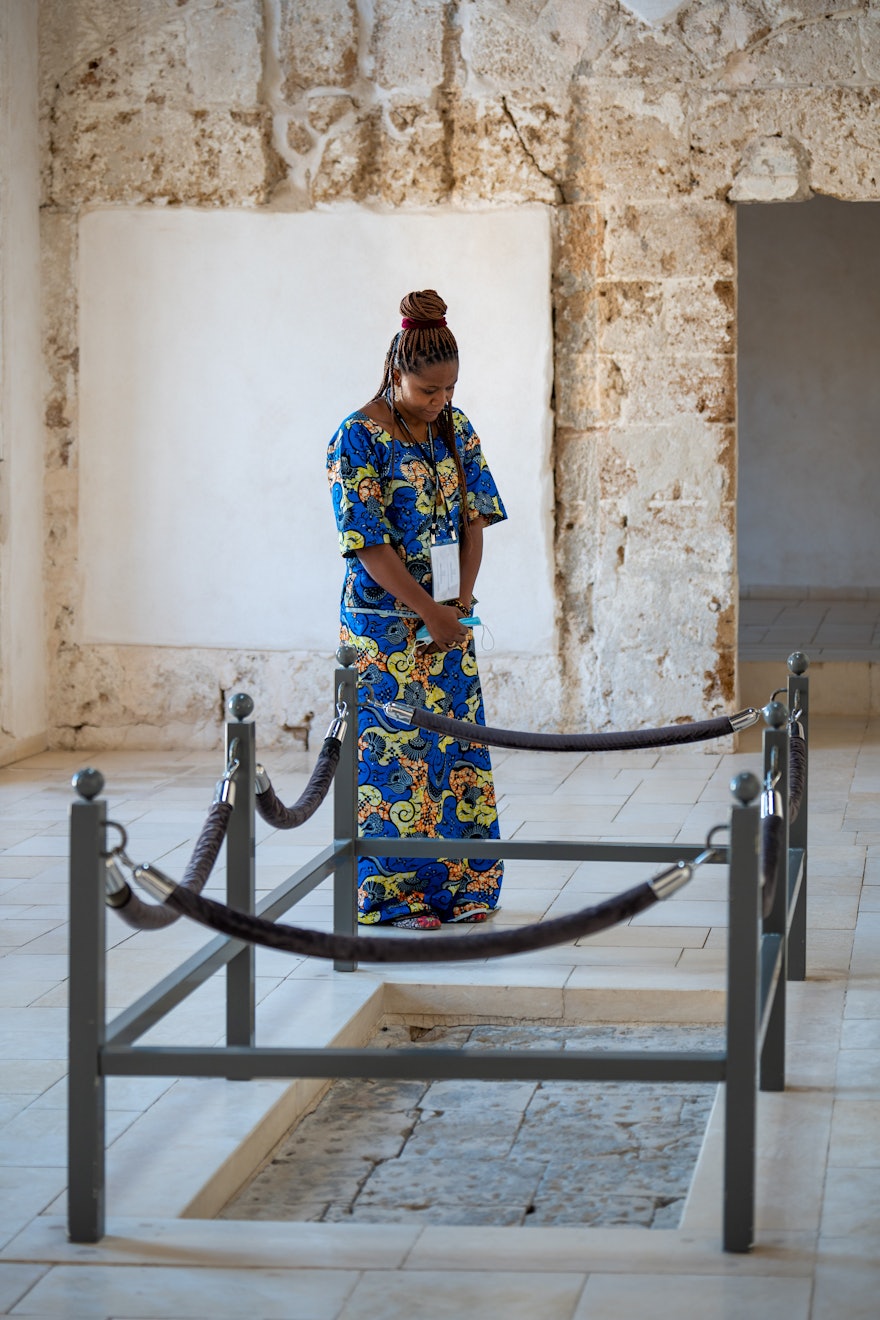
438 485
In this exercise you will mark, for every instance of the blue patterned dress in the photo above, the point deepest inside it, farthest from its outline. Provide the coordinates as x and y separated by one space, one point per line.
412 782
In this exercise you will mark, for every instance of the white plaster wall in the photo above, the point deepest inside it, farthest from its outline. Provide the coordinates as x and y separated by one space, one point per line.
22 632
219 351
809 394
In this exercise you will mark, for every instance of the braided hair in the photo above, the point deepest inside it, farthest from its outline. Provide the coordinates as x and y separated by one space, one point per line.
423 339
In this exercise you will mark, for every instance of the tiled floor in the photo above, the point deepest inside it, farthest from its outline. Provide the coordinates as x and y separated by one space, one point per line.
173 1144
829 628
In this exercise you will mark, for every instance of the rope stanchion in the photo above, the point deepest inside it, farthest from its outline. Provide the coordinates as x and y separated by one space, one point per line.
275 813
381 949
671 735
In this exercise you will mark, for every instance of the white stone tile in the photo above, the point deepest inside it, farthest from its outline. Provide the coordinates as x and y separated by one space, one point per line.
446 1294
16 1281
855 1134
852 1203
847 1280
620 1297
206 1243
147 1291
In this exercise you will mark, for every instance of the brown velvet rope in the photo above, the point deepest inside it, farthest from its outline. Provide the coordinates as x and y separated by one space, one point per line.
797 774
274 812
772 832
629 740
441 948
154 916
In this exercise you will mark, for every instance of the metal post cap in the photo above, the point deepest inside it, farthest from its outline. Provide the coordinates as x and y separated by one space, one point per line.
775 714
798 662
745 787
88 782
346 655
240 705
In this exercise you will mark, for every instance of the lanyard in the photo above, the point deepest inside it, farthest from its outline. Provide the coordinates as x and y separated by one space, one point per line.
438 486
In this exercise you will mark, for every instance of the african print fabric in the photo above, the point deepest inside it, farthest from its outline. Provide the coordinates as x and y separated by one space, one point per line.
412 782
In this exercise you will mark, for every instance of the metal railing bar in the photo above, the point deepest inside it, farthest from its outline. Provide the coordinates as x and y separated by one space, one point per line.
178 985
506 1065
539 850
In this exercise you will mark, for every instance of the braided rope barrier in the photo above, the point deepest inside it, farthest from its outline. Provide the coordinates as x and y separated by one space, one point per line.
797 769
273 810
670 735
382 949
151 916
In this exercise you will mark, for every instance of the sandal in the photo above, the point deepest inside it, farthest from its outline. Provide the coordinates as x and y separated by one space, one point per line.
425 921
471 914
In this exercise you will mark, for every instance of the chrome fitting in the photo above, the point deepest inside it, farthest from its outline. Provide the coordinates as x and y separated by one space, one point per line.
117 890
262 782
156 882
337 728
397 710
771 803
744 719
795 728
224 791
673 878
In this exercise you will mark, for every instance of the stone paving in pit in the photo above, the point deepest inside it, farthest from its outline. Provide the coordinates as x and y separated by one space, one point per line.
502 1153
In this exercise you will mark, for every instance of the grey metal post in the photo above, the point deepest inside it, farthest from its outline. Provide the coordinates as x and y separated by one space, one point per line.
345 813
799 700
742 1019
86 1012
240 870
776 759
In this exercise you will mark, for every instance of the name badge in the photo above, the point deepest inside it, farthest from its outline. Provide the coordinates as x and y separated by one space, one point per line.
445 570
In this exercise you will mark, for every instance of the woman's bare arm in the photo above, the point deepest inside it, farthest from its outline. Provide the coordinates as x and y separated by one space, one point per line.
385 566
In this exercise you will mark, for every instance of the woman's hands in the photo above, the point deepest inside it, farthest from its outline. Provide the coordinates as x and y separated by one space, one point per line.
442 622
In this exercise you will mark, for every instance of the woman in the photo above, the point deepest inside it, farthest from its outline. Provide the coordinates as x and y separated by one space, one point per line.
412 494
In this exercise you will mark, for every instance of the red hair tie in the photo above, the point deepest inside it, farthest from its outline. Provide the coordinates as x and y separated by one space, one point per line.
409 324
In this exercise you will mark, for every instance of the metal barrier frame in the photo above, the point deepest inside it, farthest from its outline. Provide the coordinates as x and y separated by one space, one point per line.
761 956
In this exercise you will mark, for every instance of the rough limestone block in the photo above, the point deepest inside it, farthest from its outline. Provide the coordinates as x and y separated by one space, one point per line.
577 248
699 316
154 154
794 11
317 45
488 158
838 129
576 374
398 160
131 696
633 390
812 54
407 43
58 235
224 52
629 141
647 55
653 240
714 29
675 464
775 169
520 53
630 316
869 45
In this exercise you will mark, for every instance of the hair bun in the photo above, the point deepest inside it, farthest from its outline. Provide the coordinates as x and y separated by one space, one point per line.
423 305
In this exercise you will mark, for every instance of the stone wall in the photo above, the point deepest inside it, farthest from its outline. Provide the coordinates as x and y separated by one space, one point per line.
22 638
639 134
